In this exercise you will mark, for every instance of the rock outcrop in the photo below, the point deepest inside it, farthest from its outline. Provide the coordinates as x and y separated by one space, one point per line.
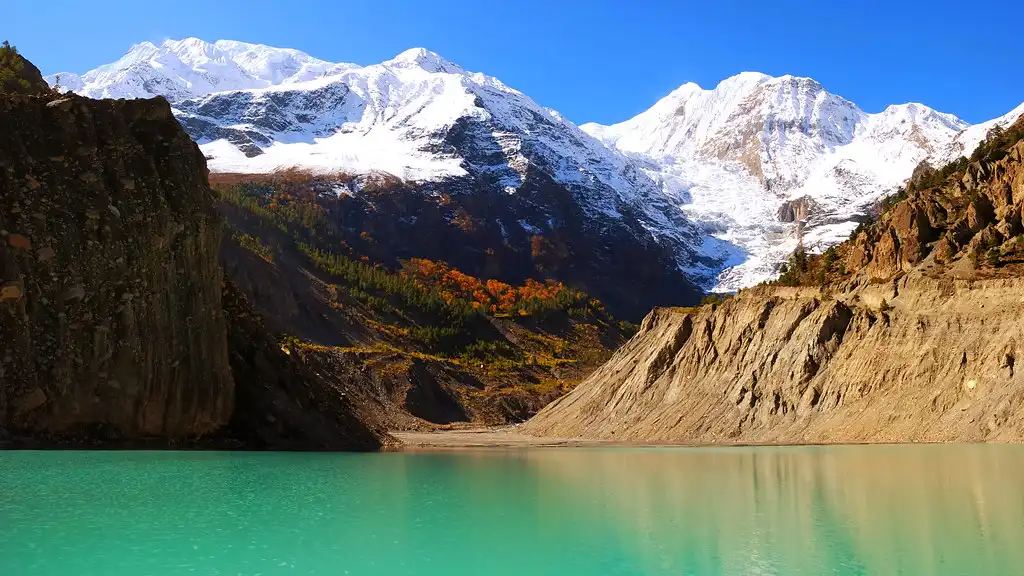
971 210
797 209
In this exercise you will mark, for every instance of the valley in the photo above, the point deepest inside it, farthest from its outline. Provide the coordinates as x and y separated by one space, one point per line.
505 289
418 247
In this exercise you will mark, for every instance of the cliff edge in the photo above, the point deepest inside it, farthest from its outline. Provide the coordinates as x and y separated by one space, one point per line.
110 304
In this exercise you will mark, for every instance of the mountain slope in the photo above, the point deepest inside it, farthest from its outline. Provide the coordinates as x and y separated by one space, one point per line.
419 341
907 332
422 118
521 171
756 154
112 307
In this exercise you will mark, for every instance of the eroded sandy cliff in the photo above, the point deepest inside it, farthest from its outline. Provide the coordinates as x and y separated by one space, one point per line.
791 365
913 334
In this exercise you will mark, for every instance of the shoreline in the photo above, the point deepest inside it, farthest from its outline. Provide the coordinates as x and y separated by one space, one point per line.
508 437
483 437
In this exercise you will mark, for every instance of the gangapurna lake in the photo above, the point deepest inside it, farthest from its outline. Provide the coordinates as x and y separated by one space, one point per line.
885 510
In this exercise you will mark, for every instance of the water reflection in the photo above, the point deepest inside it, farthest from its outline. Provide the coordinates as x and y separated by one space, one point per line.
844 510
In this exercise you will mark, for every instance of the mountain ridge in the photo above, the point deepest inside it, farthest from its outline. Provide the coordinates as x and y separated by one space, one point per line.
738 155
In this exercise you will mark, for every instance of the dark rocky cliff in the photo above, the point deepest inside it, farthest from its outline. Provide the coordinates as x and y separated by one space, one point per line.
113 327
110 305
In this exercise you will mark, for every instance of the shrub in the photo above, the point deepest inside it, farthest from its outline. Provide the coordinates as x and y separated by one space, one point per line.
992 257
712 300
254 245
792 271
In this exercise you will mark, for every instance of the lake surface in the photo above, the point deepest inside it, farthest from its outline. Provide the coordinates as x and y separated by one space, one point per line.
830 510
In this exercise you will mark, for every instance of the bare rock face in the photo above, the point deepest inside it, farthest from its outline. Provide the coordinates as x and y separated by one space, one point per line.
110 289
797 209
283 400
924 360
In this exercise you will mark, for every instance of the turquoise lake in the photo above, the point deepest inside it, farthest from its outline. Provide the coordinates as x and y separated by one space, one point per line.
648 511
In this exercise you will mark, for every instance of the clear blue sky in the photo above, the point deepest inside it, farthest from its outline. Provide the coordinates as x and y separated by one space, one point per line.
601 60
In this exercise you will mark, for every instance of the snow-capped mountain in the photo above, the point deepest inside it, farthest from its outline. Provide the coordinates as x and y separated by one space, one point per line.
756 155
727 178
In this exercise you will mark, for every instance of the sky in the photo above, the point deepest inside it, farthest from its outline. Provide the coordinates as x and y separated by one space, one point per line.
601 60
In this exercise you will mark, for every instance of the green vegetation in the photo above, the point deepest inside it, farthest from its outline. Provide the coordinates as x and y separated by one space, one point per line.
792 271
254 245
712 300
11 68
890 201
993 257
939 177
998 142
439 325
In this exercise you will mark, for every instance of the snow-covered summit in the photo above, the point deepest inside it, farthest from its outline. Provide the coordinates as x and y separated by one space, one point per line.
180 69
423 59
417 116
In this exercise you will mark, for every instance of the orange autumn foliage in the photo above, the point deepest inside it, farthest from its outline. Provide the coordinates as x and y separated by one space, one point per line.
491 295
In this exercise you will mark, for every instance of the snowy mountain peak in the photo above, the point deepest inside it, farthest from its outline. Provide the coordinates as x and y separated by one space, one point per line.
744 81
424 59
757 153
182 69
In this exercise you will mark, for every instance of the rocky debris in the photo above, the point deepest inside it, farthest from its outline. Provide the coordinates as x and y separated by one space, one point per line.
11 291
282 401
18 241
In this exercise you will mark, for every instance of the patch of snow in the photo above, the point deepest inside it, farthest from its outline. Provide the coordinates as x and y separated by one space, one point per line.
966 141
179 69
529 227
